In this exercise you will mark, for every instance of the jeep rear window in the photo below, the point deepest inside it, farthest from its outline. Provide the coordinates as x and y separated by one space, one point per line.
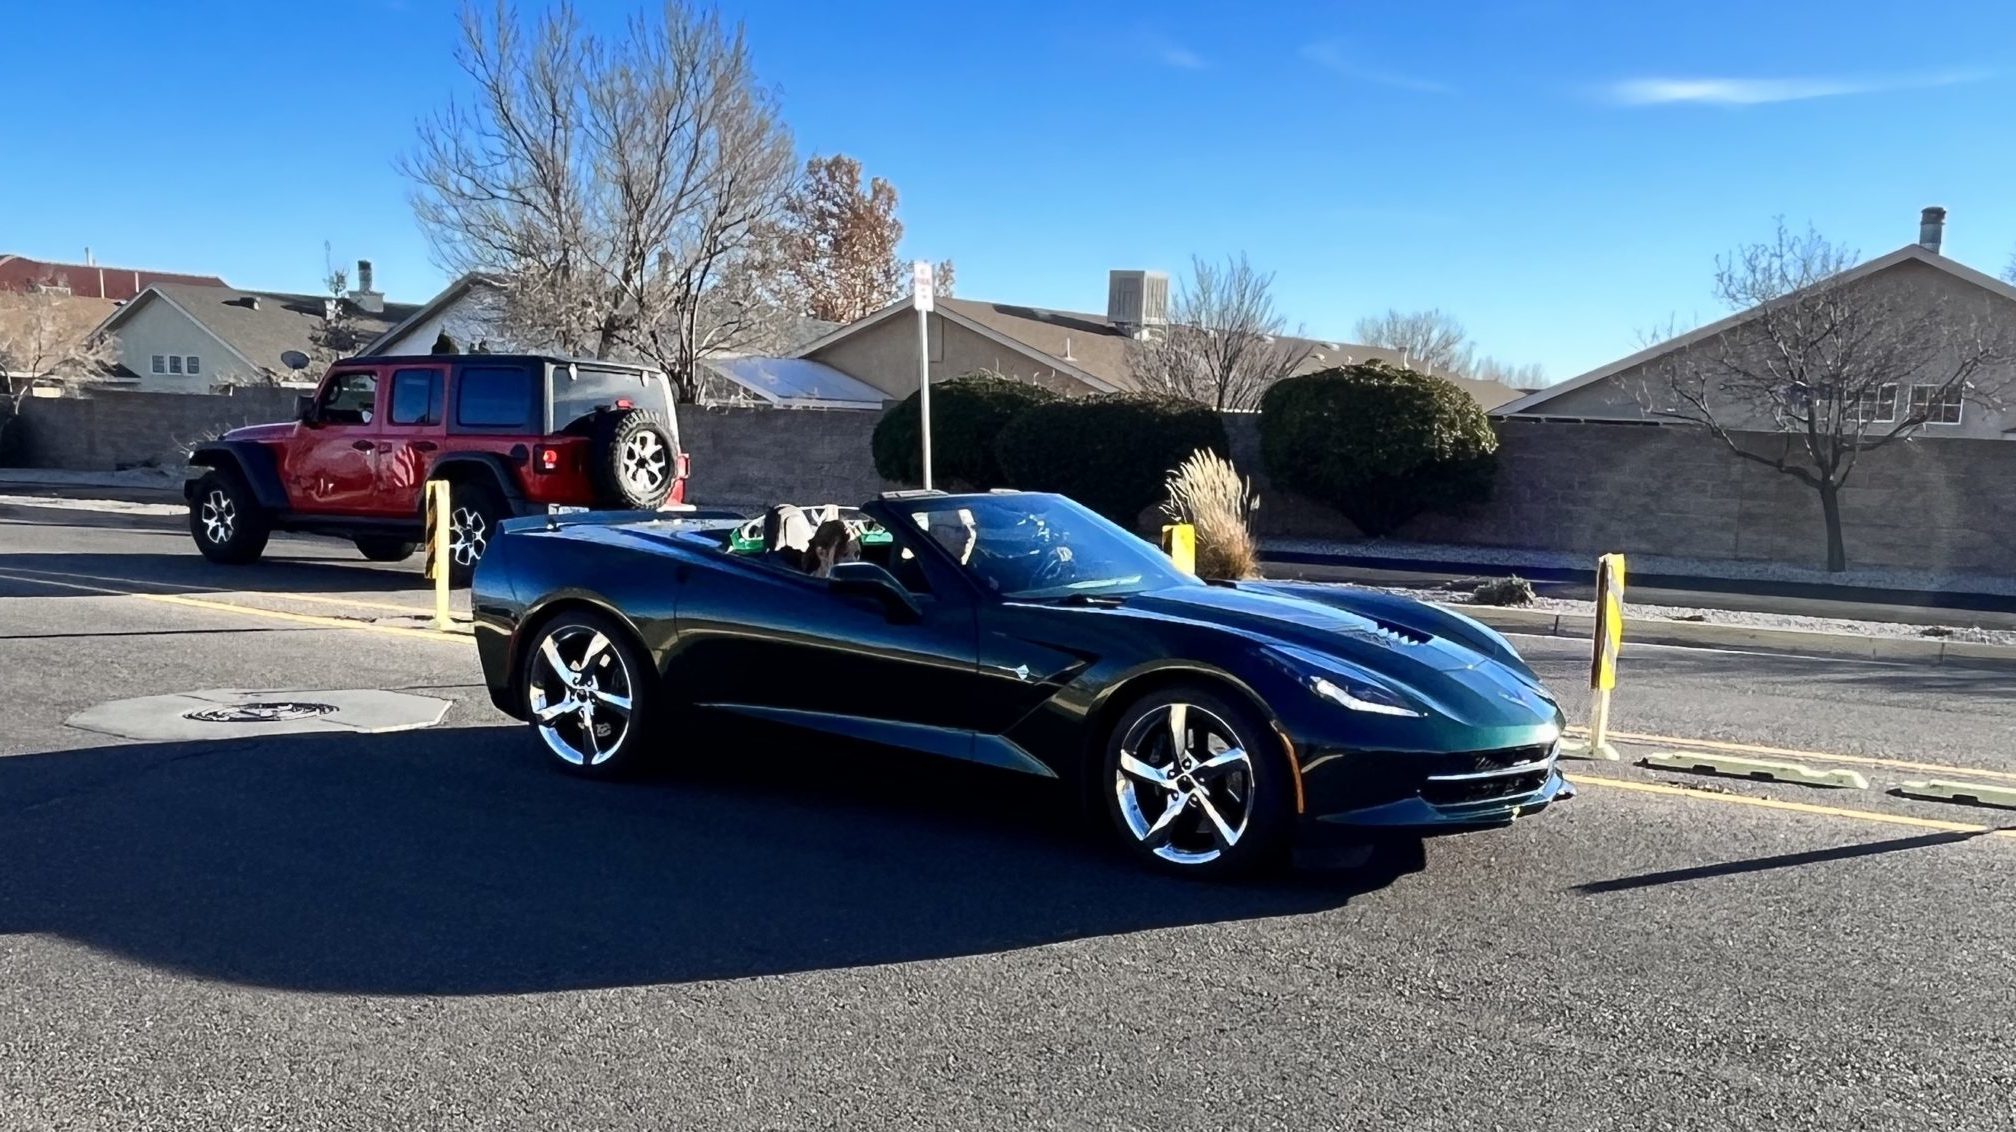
494 397
588 389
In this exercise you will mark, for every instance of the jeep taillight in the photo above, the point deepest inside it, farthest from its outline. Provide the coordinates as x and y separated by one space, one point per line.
546 458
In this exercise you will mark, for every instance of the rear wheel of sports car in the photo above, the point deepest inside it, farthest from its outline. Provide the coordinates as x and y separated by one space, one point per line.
1197 785
587 692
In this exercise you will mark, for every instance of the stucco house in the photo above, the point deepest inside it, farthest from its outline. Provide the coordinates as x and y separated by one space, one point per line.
1067 351
1915 282
198 338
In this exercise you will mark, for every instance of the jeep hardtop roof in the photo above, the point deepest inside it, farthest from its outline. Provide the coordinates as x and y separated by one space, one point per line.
492 359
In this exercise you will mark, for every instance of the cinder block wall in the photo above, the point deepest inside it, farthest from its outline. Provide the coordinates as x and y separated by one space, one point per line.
754 457
126 430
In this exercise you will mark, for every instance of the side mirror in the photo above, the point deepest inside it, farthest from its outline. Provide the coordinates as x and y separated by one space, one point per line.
304 408
865 579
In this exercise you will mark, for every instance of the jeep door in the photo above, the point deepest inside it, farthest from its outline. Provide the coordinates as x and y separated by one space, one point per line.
409 441
331 465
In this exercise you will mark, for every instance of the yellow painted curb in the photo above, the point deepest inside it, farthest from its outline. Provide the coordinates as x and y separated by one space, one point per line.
1708 762
1876 816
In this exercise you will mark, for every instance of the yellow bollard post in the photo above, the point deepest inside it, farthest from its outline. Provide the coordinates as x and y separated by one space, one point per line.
437 549
1179 541
1608 640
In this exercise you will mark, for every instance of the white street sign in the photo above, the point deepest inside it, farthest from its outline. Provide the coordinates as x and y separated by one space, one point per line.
920 285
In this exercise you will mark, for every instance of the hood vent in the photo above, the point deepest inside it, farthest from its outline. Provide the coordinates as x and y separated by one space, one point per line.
1400 634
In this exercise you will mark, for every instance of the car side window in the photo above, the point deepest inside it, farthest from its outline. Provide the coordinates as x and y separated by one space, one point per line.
494 398
350 398
416 397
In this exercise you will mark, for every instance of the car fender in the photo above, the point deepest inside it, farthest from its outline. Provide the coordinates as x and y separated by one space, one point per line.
1408 613
253 462
486 467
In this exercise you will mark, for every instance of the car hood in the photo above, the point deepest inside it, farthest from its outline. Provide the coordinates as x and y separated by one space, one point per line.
262 432
1444 674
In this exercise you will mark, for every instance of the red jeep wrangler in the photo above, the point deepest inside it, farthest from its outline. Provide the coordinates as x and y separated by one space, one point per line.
511 434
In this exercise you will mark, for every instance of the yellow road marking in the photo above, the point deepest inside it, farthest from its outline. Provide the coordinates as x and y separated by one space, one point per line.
1793 807
1756 749
253 610
314 599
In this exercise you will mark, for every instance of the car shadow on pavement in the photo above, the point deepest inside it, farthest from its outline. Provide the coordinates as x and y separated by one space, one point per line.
192 573
455 862
1782 861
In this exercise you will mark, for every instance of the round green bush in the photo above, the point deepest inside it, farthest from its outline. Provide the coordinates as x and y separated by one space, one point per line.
1112 453
1378 443
967 413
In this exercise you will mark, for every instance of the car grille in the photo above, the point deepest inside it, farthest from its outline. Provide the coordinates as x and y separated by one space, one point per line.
1482 777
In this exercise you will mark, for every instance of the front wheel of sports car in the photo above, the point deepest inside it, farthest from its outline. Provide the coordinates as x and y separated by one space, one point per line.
587 688
1195 785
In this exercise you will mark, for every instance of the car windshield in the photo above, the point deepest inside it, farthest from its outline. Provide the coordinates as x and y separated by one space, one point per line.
587 388
1036 547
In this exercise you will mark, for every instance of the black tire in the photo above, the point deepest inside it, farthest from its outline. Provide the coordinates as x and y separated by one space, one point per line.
1252 797
383 548
474 510
632 460
226 520
619 667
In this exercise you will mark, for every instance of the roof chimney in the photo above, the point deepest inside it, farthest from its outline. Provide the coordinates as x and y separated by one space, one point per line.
1932 229
364 298
1137 301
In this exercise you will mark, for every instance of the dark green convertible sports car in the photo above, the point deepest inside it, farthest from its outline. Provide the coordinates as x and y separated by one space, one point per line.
1216 724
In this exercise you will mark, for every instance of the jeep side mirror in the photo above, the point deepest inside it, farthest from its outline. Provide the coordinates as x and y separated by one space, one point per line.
866 579
304 408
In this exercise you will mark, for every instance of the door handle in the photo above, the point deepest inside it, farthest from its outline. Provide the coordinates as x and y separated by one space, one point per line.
422 445
362 445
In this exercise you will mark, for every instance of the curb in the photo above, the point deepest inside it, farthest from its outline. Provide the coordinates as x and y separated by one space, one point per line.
1707 634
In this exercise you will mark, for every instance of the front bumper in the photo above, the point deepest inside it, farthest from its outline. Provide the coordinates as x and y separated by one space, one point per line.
1417 815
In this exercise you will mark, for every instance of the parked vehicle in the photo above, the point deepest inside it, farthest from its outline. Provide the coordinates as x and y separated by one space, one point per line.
1211 723
511 434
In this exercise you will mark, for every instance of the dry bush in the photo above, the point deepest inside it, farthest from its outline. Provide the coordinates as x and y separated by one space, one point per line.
1207 492
1514 590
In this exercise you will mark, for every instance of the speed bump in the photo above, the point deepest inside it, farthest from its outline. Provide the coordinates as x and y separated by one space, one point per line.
1705 762
1944 790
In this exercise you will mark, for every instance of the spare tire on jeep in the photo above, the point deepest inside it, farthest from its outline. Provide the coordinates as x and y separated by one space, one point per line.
631 459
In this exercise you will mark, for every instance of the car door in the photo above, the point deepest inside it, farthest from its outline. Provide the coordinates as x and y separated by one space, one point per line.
332 464
769 642
410 438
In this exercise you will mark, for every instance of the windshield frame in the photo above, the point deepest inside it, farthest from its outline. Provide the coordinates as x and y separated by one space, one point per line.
899 516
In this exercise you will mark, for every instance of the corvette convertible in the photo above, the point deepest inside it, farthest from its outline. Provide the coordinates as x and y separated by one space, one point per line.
1214 725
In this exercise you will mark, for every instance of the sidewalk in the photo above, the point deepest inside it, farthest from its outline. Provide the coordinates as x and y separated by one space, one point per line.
138 485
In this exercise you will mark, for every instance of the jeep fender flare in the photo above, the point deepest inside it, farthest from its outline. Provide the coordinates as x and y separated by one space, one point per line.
483 467
251 461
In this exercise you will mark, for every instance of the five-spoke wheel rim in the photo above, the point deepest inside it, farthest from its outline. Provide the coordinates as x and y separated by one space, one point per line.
219 517
1184 784
468 535
645 463
580 692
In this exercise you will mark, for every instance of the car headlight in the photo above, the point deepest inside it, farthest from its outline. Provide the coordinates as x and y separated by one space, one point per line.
1334 682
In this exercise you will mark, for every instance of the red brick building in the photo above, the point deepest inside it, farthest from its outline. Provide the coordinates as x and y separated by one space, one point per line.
89 280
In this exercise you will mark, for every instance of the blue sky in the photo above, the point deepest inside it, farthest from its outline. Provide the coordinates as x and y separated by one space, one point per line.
1560 175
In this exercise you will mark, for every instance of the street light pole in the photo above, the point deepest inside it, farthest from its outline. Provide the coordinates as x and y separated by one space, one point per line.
920 297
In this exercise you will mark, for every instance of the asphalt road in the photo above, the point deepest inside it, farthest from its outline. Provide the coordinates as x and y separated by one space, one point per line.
429 930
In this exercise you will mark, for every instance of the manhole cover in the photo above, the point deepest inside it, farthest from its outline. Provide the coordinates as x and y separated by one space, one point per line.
272 711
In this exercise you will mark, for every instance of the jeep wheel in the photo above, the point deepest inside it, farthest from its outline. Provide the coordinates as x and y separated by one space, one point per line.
381 548
226 520
474 510
633 460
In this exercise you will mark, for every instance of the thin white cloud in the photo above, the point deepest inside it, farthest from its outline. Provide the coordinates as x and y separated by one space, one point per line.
1754 92
1335 57
1168 52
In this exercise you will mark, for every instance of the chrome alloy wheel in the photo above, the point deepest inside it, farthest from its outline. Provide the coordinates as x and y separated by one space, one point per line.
219 517
645 465
468 535
579 691
1184 784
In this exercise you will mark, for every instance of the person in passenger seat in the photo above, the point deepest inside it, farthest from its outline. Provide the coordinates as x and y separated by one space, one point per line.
833 543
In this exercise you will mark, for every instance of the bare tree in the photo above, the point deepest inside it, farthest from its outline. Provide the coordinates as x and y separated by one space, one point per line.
1820 371
1529 376
616 185
47 339
1428 341
1224 343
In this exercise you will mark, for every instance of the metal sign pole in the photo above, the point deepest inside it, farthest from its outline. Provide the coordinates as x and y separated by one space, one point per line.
1609 638
920 297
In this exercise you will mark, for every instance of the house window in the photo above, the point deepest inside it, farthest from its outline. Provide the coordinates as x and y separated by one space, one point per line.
1937 404
174 363
1874 405
193 365
160 364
